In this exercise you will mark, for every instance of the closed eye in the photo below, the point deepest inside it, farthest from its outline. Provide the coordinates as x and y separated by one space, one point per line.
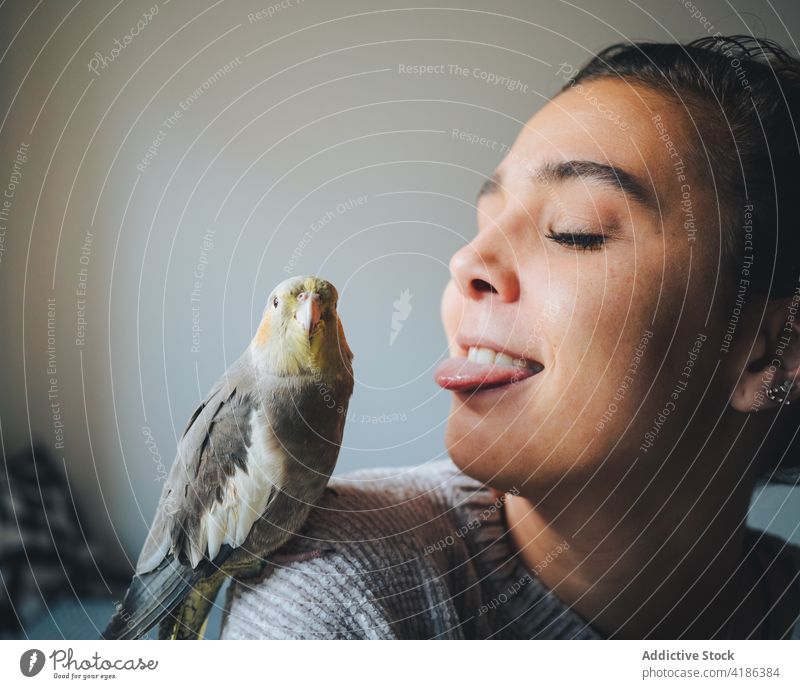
578 240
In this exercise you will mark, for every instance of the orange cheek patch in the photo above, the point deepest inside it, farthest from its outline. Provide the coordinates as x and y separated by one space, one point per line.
340 329
264 332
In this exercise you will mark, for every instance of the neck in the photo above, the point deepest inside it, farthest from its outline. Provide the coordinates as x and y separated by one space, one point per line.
643 561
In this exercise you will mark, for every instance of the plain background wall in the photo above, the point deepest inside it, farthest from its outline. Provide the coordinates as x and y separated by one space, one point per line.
254 179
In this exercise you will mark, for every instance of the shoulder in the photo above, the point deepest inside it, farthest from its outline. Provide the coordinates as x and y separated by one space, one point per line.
368 561
382 503
389 511
780 561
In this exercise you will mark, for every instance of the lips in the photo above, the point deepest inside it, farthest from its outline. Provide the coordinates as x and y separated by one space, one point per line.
483 369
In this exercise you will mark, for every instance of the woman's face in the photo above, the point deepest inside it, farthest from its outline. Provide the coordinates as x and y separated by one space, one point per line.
617 310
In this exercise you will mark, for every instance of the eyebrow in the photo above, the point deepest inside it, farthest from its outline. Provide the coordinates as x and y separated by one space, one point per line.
611 176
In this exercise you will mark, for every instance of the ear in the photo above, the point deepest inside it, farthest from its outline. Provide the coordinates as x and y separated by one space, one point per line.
774 361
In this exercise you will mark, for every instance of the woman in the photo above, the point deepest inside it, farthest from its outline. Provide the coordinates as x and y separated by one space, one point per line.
636 272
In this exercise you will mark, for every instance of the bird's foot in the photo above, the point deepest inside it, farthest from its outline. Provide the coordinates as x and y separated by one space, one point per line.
189 619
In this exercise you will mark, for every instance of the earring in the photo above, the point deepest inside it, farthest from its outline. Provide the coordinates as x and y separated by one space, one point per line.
781 392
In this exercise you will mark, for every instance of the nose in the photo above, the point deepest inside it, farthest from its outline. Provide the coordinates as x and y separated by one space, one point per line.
486 266
308 313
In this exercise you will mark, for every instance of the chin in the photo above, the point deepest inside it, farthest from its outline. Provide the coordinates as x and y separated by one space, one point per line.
511 464
473 446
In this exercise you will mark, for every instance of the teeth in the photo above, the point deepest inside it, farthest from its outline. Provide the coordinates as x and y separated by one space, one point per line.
504 360
484 355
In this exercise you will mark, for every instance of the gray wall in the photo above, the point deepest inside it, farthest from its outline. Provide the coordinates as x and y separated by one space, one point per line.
309 111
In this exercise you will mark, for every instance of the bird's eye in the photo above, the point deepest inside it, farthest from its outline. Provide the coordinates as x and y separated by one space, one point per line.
275 302
335 305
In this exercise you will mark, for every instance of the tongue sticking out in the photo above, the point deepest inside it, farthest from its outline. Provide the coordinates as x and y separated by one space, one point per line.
458 373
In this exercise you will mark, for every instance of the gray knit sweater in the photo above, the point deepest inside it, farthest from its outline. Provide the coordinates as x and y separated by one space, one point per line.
416 553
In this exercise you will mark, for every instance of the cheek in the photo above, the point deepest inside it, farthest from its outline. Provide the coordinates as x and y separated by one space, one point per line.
594 310
579 314
264 331
615 315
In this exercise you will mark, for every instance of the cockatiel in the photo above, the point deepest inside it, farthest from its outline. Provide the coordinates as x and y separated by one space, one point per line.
254 458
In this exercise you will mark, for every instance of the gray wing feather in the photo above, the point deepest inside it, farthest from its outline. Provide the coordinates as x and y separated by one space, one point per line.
214 445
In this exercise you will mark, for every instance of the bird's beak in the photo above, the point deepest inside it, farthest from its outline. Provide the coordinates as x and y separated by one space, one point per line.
308 313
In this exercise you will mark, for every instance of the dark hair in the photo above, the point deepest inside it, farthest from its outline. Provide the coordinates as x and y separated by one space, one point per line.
743 96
